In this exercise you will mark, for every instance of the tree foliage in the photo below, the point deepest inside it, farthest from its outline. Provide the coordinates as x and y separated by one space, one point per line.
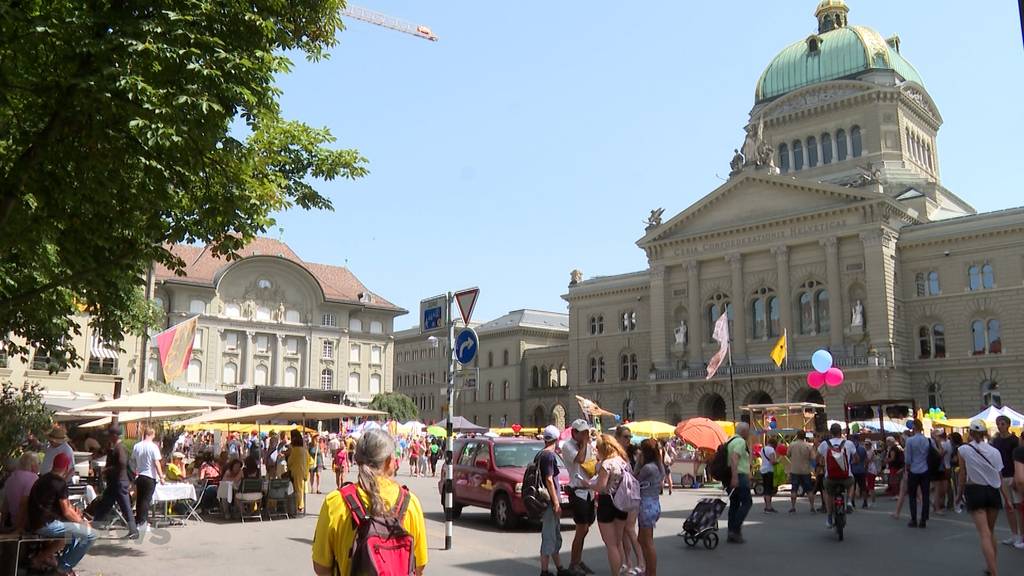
119 126
398 406
24 416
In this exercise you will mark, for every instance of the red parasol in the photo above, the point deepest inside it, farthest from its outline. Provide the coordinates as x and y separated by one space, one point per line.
701 432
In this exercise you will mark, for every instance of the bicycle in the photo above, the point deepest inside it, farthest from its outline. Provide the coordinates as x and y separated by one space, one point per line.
839 509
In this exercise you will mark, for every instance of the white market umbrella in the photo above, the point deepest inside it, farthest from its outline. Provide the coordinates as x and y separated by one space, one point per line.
125 417
312 410
152 402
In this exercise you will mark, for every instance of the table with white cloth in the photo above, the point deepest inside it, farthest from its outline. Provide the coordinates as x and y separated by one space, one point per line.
170 493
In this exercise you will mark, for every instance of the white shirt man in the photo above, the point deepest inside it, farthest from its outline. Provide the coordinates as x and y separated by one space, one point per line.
58 445
146 461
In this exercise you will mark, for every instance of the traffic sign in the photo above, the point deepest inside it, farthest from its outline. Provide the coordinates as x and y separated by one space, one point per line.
466 344
432 315
466 299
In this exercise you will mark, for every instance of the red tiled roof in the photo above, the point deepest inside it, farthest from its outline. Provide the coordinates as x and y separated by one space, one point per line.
202 268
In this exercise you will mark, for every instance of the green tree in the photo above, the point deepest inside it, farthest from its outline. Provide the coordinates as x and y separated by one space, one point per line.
398 406
24 415
126 126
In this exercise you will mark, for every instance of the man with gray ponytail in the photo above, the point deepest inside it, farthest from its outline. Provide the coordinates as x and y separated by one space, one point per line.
373 509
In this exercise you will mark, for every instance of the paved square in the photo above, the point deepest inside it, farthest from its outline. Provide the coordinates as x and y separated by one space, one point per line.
794 545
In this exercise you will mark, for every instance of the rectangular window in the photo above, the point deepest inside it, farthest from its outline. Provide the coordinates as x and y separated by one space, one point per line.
231 340
262 343
374 383
328 320
353 353
197 340
292 345
376 327
375 354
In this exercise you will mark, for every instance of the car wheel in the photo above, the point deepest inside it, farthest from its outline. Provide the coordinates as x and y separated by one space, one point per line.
759 489
502 514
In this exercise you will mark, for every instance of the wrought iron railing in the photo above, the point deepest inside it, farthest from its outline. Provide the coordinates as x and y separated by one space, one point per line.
770 369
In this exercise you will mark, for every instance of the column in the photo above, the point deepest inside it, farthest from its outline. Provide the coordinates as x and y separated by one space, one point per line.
835 294
214 358
695 314
246 370
878 276
784 293
659 343
739 307
278 364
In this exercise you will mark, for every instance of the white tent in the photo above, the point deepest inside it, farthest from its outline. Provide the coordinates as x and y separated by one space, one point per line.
991 413
125 417
148 402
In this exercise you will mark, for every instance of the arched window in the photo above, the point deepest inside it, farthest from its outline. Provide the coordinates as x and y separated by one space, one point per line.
812 152
938 341
990 395
821 311
327 379
596 325
826 148
773 316
924 342
988 279
978 338
783 158
624 368
534 377
798 155
630 369
260 375
506 390
195 371
974 277
855 144
490 391
994 339
597 369
919 284
355 325
717 305
933 283
841 145
230 374
374 383
758 319
490 359
353 382
764 320
291 377
806 314
504 358
934 395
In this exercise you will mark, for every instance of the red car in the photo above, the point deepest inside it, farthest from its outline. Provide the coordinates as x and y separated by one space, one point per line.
489 473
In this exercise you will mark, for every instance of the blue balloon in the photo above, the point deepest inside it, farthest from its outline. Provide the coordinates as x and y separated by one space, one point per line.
773 424
821 360
618 418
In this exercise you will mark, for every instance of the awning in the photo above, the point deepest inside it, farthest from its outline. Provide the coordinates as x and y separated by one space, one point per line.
99 348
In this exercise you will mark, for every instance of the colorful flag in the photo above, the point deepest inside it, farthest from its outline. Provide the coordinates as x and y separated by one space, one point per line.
780 350
175 345
720 335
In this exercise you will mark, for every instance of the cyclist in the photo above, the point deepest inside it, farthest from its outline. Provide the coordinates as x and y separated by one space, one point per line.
837 473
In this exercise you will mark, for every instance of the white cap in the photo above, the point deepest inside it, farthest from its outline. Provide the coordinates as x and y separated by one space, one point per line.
580 425
978 425
551 433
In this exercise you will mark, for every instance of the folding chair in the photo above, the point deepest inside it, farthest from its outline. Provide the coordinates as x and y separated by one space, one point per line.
249 499
278 498
195 505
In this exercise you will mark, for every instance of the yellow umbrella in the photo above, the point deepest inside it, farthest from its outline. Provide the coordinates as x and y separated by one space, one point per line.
240 426
651 429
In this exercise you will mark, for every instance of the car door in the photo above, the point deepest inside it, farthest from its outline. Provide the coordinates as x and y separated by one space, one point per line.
461 473
478 471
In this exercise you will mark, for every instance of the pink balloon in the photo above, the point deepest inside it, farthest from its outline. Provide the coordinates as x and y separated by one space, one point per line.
815 379
834 377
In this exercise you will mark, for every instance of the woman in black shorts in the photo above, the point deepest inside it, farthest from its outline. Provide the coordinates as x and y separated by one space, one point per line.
979 475
610 520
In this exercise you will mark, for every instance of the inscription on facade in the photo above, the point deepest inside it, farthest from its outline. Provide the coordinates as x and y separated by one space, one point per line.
765 237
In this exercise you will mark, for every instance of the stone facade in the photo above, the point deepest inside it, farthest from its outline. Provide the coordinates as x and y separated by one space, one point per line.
794 244
271 319
505 368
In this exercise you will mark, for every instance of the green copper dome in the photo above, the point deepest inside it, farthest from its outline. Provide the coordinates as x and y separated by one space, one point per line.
837 51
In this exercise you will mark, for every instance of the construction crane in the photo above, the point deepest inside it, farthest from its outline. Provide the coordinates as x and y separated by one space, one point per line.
366 15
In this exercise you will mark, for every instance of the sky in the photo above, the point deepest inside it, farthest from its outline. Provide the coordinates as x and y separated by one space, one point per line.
535 137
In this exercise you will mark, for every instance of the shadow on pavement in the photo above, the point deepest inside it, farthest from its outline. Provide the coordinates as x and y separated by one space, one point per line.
115 550
308 541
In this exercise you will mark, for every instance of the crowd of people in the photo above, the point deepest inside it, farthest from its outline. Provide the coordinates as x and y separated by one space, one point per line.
934 473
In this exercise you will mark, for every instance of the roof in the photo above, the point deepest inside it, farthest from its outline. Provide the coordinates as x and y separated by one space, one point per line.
526 318
203 268
841 53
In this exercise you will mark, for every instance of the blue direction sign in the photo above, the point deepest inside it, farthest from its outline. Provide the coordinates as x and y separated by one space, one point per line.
466 344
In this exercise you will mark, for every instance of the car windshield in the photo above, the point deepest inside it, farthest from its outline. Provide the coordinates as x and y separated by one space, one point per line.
517 455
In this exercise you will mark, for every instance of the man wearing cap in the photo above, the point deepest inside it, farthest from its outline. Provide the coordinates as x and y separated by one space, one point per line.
58 445
115 473
980 481
581 464
550 532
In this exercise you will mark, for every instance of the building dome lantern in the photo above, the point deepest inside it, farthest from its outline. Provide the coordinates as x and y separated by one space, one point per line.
831 14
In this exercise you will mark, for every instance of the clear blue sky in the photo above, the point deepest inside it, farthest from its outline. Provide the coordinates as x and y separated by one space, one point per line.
534 137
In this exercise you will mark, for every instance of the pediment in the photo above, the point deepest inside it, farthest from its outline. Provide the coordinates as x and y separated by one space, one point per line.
750 199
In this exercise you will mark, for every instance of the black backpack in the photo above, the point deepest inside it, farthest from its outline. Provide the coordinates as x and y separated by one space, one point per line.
934 458
535 493
719 468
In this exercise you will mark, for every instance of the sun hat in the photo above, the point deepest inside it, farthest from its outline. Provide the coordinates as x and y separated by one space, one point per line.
580 425
551 433
978 425
57 433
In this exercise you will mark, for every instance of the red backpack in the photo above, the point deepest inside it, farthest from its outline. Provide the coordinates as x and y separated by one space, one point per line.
837 463
382 547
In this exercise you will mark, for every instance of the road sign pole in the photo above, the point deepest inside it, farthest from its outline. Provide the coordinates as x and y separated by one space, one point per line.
449 471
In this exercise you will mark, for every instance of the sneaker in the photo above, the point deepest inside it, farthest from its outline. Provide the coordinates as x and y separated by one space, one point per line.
922 524
1019 544
586 569
1010 541
132 535
565 572
912 524
828 522
546 573
735 539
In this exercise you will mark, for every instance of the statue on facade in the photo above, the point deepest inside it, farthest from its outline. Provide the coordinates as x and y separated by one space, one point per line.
857 318
280 312
654 220
680 333
736 164
249 309
766 158
575 277
751 144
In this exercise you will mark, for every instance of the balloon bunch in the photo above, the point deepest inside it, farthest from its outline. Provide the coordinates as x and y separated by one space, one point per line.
773 423
936 414
824 372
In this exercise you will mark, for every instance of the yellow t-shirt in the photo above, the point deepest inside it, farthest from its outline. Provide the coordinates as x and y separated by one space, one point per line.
174 473
335 531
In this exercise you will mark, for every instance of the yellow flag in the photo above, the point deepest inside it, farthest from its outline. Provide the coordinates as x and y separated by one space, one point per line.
780 350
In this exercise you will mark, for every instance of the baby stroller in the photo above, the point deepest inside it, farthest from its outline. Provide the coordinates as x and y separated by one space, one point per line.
703 523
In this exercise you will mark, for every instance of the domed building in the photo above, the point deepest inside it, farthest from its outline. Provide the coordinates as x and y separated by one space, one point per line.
834 229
